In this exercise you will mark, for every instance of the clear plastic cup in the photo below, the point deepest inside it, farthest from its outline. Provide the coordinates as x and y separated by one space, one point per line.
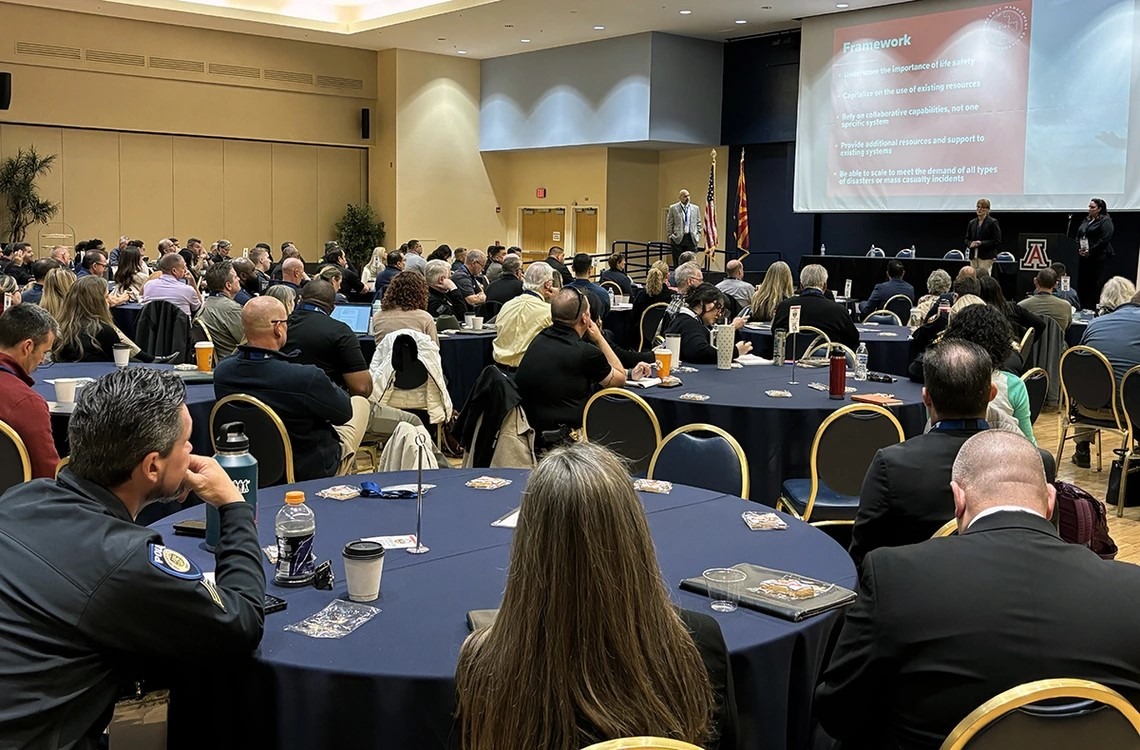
725 586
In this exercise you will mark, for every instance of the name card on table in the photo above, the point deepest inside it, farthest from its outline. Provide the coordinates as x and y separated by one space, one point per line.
1065 283
794 319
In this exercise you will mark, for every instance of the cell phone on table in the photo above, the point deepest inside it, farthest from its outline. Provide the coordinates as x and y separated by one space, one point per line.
191 528
274 604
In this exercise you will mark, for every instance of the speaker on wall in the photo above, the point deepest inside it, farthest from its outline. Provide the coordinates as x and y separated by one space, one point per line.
365 123
5 90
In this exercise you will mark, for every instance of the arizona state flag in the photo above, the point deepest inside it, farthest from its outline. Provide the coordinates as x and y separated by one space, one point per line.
742 209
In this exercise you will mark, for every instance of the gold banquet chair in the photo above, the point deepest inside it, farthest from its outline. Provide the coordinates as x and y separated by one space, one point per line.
643 743
713 463
1037 388
1059 714
647 326
950 528
810 334
1130 405
1087 379
843 448
15 464
624 423
268 439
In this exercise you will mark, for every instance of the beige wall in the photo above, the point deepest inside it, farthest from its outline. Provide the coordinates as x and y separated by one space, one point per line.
631 194
689 169
154 186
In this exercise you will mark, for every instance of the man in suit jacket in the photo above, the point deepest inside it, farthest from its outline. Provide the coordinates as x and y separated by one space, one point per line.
983 237
817 310
889 288
906 493
943 626
683 225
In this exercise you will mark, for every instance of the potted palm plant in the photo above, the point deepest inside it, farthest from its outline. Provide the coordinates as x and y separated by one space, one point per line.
23 204
358 232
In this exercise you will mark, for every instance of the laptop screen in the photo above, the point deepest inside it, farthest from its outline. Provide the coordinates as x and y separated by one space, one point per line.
356 316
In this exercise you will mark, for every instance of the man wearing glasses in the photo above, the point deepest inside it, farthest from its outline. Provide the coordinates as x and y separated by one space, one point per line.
465 278
94 264
324 423
561 369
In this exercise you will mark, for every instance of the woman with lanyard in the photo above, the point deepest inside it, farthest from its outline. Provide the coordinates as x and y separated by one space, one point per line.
1095 238
703 307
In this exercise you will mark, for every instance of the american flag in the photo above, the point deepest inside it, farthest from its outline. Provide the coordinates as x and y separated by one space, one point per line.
742 210
710 209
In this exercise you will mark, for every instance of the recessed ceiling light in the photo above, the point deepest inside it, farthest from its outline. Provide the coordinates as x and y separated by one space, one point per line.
461 52
841 6
739 22
599 28
525 41
686 12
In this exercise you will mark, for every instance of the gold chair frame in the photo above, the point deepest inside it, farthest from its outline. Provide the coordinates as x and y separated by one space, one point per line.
704 427
1025 343
893 297
620 393
244 398
1130 453
815 343
209 337
1032 373
641 326
21 450
830 345
62 463
643 743
612 286
786 505
1064 421
1035 692
885 311
947 529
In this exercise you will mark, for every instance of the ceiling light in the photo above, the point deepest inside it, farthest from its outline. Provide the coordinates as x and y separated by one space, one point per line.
525 41
461 52
741 22
686 12
841 6
599 28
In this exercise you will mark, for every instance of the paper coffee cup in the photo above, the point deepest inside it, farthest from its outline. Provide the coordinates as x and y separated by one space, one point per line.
204 351
122 355
673 343
363 566
477 323
65 390
469 320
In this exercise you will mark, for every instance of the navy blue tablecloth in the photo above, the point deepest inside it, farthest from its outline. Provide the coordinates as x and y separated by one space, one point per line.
776 433
619 323
126 317
1076 330
463 355
888 347
390 683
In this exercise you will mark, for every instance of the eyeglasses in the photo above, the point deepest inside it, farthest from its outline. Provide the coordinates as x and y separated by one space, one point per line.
581 300
275 322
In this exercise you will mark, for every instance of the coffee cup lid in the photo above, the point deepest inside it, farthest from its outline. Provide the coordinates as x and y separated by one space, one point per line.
363 550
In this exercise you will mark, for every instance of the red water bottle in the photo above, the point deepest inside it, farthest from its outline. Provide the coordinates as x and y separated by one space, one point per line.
837 387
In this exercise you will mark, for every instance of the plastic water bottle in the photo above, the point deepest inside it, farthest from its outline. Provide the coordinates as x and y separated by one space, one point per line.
613 299
861 362
913 252
233 455
375 308
296 529
822 249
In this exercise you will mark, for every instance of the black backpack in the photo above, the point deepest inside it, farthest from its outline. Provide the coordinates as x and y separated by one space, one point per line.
1081 519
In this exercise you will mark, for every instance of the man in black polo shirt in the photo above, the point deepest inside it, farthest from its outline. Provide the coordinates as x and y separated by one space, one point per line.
317 339
508 285
324 423
560 371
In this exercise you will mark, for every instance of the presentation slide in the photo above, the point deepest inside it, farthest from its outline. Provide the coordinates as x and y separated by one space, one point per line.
1025 102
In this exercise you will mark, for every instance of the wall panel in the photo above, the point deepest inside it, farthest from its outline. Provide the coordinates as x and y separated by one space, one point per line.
294 207
198 210
338 183
247 196
146 187
90 169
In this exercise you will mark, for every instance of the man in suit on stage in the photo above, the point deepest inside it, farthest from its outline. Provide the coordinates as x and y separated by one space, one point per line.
683 225
983 237
941 627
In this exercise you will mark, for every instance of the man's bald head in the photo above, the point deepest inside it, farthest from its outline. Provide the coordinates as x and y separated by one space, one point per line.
967 272
734 269
257 324
293 269
994 468
568 305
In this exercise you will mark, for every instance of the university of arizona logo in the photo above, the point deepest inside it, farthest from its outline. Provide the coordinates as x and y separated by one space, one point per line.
1036 255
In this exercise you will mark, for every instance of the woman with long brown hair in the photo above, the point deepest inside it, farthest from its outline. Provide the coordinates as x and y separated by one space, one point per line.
776 287
131 273
56 285
587 646
86 331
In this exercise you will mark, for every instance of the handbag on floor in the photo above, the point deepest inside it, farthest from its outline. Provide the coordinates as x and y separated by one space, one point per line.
1132 498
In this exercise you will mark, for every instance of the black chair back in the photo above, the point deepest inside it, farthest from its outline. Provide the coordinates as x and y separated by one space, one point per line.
1130 400
900 306
268 440
162 330
1037 386
847 442
15 466
410 372
807 339
650 320
1087 378
624 423
711 461
489 309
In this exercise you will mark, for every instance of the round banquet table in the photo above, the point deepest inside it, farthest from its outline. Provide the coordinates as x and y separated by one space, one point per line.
390 683
618 322
888 347
1076 330
126 317
463 356
776 433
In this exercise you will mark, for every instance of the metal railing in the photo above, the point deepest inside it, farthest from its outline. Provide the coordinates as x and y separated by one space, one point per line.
640 256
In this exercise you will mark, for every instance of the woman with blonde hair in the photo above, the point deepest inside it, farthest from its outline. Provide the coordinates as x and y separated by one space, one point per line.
369 273
1116 292
776 287
9 285
86 331
56 285
587 646
285 295
656 290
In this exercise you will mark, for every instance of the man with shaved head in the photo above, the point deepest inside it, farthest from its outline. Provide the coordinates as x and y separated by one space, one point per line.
942 626
734 284
316 338
293 273
324 423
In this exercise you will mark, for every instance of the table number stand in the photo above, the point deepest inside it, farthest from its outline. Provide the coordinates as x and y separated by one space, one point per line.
419 549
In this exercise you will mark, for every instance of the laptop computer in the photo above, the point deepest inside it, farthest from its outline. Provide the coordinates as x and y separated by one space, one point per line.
354 314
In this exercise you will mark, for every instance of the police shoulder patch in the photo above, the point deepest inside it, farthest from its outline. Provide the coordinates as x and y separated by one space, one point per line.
173 563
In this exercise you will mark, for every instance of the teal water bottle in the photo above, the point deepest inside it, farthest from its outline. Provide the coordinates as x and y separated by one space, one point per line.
233 455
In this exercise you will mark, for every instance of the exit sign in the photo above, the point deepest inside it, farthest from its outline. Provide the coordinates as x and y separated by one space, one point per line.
540 193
